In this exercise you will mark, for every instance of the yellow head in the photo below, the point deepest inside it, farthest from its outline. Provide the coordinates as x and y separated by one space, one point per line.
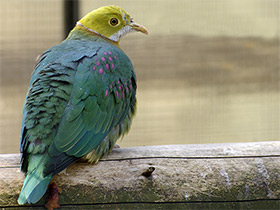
111 22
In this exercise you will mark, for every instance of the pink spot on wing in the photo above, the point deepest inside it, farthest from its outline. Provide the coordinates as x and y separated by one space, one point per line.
93 68
115 57
125 84
105 53
117 94
100 71
119 82
120 87
123 94
110 52
111 86
112 65
127 91
110 59
103 59
97 63
106 92
129 80
112 82
130 86
107 66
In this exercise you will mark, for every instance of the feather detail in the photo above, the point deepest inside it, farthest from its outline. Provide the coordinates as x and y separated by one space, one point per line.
73 111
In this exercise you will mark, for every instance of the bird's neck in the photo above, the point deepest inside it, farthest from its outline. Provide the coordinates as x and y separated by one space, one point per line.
81 30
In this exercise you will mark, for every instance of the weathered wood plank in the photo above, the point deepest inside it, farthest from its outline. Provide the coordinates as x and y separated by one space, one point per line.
258 149
267 205
185 176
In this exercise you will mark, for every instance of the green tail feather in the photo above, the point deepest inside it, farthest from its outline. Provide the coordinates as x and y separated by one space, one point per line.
35 183
34 187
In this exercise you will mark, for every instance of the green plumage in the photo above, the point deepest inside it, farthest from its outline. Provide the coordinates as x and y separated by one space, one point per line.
81 99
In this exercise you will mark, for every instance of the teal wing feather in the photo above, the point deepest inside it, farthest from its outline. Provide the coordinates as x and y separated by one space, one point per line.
77 103
102 97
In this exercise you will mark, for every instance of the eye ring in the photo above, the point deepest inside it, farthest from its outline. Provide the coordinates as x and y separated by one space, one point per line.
114 21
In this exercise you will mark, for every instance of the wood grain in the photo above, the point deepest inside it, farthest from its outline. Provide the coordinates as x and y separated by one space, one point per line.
243 175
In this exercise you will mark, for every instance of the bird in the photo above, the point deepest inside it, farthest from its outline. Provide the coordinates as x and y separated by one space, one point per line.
81 99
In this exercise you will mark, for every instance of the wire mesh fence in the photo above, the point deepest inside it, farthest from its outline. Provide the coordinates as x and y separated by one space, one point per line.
208 72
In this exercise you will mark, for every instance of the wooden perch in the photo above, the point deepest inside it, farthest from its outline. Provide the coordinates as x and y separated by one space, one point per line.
208 176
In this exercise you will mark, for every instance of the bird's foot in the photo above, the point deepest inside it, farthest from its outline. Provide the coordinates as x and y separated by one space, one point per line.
53 197
116 146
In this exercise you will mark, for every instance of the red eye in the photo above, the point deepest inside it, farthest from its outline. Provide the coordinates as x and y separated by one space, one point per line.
114 21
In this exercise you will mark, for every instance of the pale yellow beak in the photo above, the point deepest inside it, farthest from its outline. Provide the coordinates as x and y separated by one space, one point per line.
139 28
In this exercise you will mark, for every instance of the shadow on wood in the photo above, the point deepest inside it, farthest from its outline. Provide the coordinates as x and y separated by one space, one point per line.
210 176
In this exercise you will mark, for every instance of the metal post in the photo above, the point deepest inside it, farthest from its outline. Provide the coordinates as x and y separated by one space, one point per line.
71 15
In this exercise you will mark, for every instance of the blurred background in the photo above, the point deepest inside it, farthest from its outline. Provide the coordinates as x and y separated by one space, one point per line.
207 73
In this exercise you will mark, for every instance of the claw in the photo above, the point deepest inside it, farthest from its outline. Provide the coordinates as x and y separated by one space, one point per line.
53 197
